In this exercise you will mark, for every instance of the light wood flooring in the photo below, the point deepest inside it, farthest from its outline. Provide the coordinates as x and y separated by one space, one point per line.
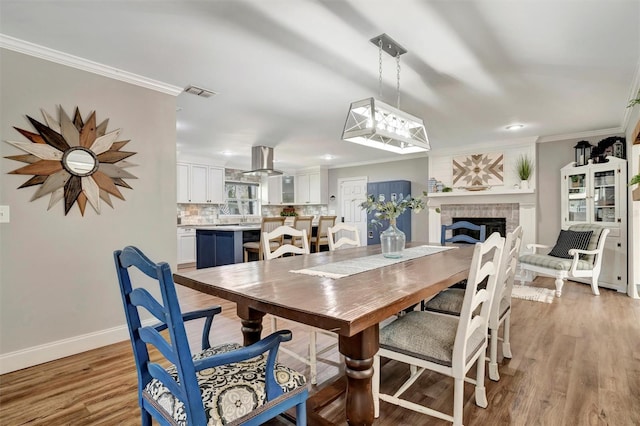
575 362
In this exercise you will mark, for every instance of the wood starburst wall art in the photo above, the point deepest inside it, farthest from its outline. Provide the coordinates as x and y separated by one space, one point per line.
73 160
478 170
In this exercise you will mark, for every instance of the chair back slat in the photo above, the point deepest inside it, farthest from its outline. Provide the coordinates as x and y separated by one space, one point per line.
176 348
282 249
463 238
352 239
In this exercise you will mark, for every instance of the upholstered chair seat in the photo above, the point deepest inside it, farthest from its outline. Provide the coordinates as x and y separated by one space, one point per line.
231 393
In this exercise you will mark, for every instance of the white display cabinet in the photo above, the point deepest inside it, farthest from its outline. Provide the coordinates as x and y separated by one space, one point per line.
597 193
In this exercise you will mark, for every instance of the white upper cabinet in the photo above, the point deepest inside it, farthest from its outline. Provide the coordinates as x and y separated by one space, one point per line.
200 184
312 186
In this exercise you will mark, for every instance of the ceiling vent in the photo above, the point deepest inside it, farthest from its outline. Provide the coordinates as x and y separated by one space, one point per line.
262 162
199 91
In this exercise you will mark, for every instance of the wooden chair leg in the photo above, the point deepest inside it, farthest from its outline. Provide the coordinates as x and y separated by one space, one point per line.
481 393
313 363
458 400
493 356
301 414
506 337
559 284
375 386
246 255
594 286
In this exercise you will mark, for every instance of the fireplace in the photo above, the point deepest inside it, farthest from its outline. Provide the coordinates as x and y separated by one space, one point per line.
493 224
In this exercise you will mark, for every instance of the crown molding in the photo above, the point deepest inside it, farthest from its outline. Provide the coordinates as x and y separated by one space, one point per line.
581 135
62 58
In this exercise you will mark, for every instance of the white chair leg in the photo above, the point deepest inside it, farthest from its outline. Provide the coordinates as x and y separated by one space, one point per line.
493 356
375 386
506 338
313 362
458 399
481 394
559 284
594 286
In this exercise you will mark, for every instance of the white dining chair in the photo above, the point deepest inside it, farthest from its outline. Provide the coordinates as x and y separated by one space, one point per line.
442 343
336 236
449 301
270 253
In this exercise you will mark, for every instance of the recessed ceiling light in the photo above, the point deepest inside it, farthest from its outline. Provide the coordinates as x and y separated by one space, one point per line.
227 153
328 157
514 126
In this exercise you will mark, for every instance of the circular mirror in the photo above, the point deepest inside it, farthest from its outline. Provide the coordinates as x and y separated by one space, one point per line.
80 161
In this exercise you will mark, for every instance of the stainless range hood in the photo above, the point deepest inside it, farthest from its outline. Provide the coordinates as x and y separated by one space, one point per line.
262 162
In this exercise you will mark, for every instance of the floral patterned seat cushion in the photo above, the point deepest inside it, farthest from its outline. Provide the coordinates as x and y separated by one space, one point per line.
229 392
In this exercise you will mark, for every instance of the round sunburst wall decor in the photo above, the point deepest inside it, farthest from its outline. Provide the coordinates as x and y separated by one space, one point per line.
74 160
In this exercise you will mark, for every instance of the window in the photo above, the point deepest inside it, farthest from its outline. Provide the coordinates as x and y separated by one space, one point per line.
242 199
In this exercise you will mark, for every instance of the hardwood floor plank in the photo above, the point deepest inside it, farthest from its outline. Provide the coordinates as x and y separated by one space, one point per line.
575 362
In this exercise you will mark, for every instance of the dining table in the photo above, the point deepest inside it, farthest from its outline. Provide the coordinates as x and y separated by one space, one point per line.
351 304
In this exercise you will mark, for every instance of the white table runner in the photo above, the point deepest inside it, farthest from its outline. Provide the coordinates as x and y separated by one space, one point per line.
345 268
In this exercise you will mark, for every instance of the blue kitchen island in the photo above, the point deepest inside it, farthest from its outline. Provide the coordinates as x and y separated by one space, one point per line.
218 245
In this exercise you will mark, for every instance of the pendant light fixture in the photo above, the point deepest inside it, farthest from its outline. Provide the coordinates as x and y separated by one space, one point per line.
373 123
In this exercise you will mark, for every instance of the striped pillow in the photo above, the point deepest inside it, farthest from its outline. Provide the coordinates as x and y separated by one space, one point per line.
568 240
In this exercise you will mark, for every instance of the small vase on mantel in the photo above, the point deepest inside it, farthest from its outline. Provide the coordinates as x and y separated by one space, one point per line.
392 241
524 184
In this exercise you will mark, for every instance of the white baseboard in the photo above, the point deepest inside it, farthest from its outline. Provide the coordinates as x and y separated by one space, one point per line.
35 355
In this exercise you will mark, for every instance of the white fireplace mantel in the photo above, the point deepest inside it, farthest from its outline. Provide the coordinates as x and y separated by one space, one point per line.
526 200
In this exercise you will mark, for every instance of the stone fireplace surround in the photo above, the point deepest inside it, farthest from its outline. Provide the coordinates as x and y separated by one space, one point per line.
518 207
509 211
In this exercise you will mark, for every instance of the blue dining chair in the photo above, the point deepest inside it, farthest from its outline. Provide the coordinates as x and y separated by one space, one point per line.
224 384
463 238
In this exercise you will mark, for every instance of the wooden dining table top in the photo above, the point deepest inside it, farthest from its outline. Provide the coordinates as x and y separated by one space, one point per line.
346 305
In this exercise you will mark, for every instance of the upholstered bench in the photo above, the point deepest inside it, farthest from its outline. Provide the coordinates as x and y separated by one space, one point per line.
577 254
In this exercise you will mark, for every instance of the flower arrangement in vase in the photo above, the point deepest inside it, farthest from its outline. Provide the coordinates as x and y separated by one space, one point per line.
392 239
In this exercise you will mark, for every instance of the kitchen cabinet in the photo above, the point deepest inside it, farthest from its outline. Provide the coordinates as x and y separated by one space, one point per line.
216 247
312 186
186 245
200 184
597 193
281 189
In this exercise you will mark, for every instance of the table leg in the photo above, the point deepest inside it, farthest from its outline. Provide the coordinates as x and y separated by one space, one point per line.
251 324
358 352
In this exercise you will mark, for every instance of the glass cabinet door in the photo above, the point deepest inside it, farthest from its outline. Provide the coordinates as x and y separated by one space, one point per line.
577 197
604 196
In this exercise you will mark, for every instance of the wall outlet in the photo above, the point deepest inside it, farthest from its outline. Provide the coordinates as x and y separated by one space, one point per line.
4 214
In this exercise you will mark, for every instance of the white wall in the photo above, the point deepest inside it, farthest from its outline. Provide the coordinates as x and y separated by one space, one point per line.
414 170
633 156
58 287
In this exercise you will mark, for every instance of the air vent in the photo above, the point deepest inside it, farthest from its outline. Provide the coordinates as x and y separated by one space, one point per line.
199 91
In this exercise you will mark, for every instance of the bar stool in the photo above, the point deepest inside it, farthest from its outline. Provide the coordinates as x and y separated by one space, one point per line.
268 225
321 239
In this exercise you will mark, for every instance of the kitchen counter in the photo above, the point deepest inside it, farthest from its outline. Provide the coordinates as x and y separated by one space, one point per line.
224 227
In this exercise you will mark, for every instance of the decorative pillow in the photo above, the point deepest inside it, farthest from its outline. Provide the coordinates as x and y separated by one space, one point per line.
568 240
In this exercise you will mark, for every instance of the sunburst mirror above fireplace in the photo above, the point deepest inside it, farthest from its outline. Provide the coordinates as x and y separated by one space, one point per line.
75 160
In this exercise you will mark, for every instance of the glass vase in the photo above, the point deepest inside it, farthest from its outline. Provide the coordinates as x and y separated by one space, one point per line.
392 241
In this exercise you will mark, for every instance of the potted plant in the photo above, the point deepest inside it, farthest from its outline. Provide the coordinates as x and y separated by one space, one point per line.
392 239
524 168
636 192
